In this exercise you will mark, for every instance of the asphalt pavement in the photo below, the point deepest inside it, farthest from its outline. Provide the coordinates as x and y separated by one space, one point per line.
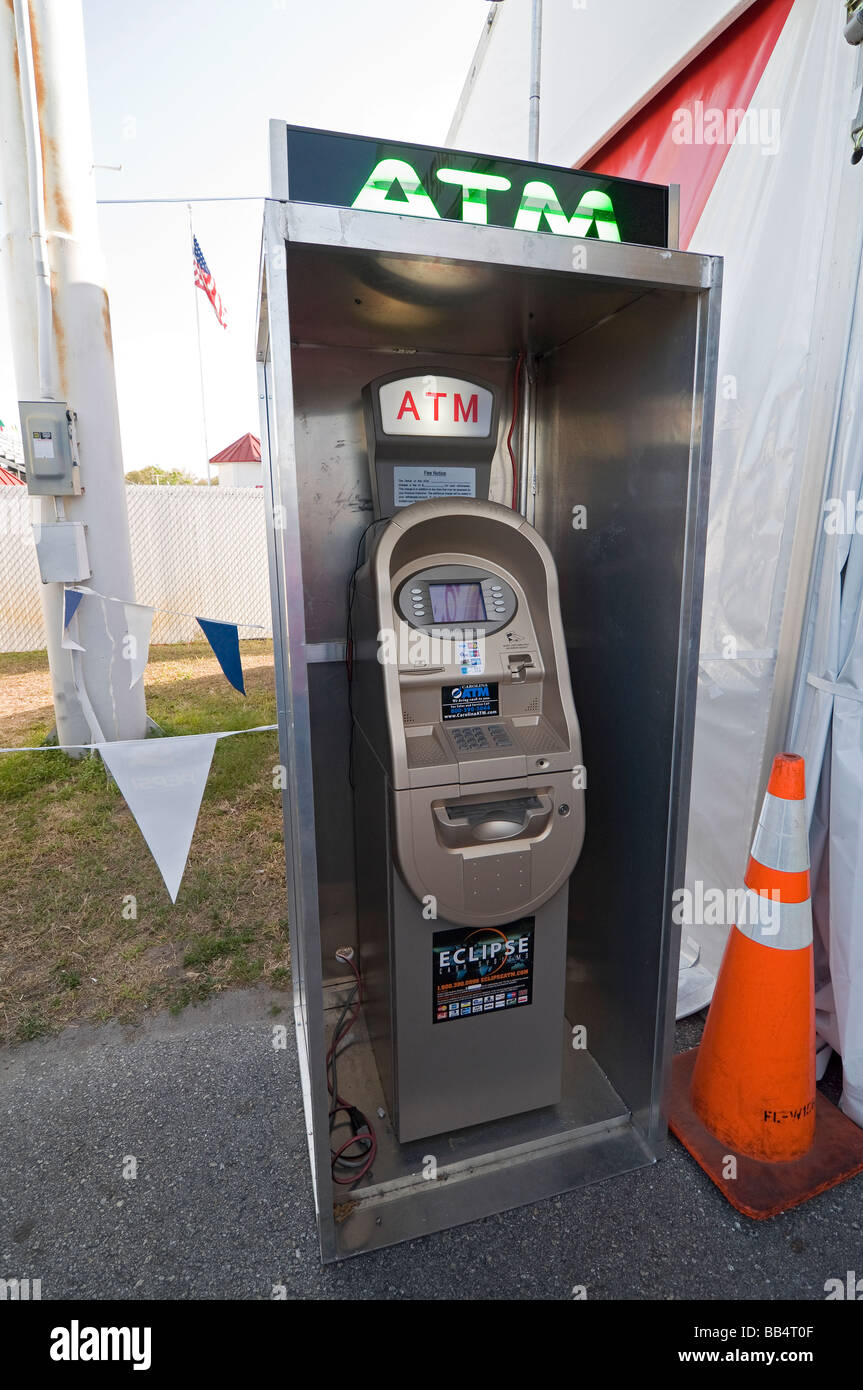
208 1116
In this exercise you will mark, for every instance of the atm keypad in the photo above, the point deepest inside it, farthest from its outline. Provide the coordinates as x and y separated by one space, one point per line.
500 737
492 737
469 740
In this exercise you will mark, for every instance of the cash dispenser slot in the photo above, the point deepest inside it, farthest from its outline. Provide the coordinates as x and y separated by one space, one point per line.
460 824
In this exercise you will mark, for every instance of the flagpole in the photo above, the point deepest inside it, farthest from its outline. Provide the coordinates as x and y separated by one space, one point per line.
200 355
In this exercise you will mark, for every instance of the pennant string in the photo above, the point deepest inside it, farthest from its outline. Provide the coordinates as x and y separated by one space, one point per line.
172 612
64 747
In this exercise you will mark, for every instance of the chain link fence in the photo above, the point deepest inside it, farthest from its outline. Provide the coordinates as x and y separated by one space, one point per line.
196 552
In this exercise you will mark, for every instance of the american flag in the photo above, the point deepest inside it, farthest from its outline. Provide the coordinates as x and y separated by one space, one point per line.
205 282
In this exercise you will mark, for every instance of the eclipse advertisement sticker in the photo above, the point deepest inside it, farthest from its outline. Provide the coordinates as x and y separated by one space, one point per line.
470 701
481 970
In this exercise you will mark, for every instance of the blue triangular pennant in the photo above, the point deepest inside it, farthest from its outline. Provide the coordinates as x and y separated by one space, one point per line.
225 641
71 599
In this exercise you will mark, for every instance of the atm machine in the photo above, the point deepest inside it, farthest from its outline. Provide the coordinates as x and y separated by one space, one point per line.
466 766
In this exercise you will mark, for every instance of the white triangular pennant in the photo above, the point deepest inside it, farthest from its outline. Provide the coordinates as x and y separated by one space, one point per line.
67 641
163 781
136 647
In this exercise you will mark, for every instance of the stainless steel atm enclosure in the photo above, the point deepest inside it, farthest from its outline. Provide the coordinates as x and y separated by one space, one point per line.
613 439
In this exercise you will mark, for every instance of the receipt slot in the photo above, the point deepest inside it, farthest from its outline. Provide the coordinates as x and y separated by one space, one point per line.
469 813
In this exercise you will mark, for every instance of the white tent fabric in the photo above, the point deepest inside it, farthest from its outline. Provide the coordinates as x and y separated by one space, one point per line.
827 728
790 271
789 227
599 63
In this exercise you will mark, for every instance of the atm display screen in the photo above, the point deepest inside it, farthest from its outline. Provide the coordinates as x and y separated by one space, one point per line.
457 603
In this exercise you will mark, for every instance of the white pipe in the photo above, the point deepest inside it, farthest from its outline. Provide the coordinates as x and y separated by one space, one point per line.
535 70
35 180
100 694
17 264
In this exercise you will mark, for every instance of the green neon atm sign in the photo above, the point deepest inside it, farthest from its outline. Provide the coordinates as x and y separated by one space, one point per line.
538 200
351 171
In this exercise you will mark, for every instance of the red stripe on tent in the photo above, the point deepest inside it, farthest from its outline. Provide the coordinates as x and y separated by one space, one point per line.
722 78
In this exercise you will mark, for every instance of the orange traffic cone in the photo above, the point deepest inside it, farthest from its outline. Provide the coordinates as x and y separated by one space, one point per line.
748 1094
754 1080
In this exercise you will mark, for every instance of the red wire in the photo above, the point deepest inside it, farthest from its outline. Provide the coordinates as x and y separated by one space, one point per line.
509 438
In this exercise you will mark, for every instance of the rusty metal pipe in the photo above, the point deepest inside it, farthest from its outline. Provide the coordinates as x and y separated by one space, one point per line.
38 236
52 79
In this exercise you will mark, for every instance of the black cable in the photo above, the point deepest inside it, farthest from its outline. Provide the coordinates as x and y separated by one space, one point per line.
348 1005
349 643
362 1133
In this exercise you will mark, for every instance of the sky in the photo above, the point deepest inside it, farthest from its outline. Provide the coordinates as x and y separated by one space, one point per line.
180 95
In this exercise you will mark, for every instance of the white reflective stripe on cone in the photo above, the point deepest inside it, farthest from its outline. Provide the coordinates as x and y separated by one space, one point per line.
781 841
786 926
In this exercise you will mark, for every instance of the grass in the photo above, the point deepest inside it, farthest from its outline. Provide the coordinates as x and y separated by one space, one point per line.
87 930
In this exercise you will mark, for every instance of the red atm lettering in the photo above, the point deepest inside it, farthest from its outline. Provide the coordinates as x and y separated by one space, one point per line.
437 396
409 404
469 413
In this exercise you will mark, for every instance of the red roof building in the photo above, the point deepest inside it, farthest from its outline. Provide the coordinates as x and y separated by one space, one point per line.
7 477
246 449
240 464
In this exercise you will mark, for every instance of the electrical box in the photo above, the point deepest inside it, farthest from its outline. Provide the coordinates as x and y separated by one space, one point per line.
61 549
50 448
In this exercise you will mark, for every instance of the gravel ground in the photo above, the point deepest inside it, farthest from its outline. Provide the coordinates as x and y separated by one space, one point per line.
222 1208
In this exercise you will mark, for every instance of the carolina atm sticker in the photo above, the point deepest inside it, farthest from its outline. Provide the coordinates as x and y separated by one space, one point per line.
470 701
480 970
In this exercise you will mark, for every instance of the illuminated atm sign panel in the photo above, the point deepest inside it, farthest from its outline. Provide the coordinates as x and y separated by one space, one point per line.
429 435
352 171
441 406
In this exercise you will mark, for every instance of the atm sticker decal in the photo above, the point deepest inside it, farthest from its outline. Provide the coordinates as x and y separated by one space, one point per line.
470 657
419 484
470 701
480 970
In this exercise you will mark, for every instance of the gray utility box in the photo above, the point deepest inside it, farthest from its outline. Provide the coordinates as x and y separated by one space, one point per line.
612 439
50 448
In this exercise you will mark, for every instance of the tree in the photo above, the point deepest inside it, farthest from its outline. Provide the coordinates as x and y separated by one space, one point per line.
163 476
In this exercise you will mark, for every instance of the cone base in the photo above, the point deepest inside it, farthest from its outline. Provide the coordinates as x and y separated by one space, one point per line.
765 1189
